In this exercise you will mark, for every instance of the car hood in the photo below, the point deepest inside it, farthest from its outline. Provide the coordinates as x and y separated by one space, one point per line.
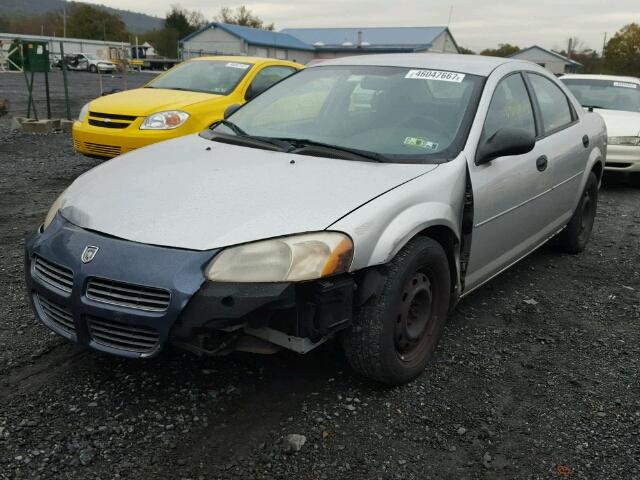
620 123
145 101
199 194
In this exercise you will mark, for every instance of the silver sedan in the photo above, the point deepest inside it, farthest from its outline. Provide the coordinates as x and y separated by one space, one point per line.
359 198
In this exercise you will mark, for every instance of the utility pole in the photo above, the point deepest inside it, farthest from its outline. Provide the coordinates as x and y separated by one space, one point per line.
450 15
604 43
104 30
64 21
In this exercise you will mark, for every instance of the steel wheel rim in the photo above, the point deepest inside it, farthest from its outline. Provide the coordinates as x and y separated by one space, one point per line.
413 316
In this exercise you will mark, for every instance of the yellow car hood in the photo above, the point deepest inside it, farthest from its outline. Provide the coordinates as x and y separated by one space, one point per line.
145 101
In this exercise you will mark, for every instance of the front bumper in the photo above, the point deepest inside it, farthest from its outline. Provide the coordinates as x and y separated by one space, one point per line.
104 142
621 158
131 299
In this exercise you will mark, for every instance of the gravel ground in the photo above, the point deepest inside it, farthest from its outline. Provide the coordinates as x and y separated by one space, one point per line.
536 376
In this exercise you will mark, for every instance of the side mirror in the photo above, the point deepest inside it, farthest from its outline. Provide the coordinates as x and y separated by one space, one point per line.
505 142
231 109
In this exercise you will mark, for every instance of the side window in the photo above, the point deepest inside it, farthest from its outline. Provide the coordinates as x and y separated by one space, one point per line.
554 105
510 107
267 77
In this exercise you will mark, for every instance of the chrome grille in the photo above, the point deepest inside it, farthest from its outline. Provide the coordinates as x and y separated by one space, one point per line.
55 314
55 275
128 295
120 335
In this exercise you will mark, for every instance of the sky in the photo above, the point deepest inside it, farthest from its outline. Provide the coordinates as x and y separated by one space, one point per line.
475 24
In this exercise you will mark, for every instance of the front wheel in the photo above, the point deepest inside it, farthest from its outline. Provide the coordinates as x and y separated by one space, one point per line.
395 333
634 179
574 238
93 69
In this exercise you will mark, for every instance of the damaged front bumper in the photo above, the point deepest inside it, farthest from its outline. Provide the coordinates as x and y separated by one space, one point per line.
131 299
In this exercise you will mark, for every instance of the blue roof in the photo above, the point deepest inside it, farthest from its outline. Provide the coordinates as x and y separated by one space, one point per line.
374 36
256 36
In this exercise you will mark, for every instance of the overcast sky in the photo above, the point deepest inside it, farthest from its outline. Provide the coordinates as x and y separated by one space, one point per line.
475 24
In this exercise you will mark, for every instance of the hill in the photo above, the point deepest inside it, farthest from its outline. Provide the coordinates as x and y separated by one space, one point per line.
135 22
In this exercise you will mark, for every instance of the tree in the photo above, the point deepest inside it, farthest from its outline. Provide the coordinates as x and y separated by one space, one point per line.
466 51
242 16
87 21
503 50
622 53
178 19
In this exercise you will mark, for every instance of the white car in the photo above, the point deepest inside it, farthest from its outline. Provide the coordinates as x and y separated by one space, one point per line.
360 197
617 100
88 62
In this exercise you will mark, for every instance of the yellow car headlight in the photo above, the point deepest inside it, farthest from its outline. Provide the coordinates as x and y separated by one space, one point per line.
164 120
288 259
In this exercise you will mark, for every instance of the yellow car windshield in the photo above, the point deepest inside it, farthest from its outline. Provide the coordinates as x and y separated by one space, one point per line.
209 76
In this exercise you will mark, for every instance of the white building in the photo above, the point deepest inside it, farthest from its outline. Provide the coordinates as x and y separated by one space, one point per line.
552 61
71 45
225 39
305 44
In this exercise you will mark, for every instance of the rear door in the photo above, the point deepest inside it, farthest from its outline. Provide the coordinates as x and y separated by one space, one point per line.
563 141
510 201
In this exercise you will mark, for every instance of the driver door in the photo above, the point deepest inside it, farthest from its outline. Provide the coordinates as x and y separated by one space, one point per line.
511 204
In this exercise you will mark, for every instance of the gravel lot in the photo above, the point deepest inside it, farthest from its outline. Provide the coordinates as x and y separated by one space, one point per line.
536 376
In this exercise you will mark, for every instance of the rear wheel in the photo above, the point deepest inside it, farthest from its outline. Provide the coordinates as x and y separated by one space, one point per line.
395 333
93 69
574 238
634 179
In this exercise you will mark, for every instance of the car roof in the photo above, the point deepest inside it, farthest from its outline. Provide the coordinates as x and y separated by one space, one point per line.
243 59
472 64
613 78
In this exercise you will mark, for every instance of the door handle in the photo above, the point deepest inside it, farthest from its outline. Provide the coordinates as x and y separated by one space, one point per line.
585 141
541 163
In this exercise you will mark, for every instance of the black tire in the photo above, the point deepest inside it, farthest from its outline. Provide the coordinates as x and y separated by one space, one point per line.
574 238
634 180
93 69
396 332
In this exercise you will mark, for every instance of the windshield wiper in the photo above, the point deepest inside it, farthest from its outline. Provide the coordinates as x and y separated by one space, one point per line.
591 107
240 137
301 143
232 126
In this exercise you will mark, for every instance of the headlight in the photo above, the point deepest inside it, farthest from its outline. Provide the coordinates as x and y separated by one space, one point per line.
628 141
83 112
57 205
288 259
164 120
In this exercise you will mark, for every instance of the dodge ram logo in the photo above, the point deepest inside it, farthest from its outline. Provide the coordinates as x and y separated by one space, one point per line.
89 253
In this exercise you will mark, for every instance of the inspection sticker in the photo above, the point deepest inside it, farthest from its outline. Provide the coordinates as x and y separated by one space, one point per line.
241 66
435 75
625 85
420 143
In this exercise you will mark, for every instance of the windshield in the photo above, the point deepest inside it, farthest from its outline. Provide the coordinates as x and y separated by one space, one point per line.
608 94
209 76
403 114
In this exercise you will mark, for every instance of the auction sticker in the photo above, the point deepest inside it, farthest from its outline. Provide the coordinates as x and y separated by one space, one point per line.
241 66
435 75
625 85
420 143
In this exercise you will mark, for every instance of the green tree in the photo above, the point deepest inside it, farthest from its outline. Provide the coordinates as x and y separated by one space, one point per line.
164 41
242 16
466 51
179 19
622 53
503 50
87 21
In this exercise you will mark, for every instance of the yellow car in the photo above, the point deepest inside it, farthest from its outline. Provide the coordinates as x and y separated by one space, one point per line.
186 99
